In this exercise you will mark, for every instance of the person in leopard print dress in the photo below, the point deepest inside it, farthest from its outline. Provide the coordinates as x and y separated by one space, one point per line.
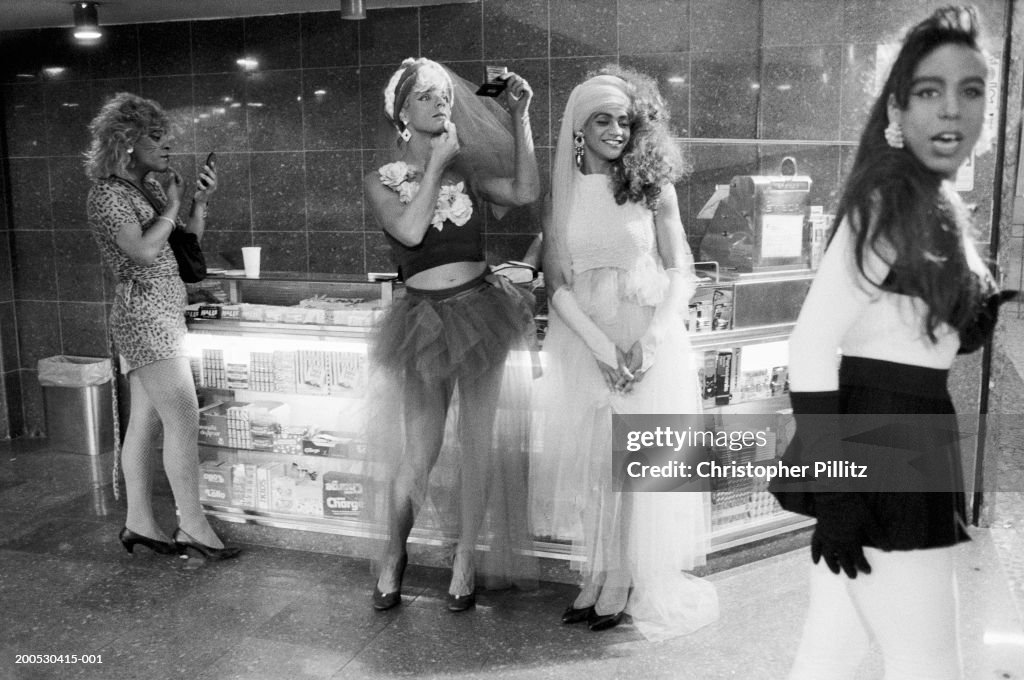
131 215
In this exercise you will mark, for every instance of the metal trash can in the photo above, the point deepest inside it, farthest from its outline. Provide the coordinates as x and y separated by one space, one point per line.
77 395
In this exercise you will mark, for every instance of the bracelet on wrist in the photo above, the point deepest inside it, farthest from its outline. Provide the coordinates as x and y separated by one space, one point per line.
166 219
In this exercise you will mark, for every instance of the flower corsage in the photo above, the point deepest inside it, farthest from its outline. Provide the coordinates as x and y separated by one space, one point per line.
453 203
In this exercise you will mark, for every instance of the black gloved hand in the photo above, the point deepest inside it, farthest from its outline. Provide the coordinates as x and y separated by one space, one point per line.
844 524
980 330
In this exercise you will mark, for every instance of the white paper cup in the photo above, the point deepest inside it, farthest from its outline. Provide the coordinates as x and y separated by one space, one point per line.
251 261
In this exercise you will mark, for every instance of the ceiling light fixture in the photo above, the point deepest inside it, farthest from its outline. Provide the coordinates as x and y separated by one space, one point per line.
353 9
87 21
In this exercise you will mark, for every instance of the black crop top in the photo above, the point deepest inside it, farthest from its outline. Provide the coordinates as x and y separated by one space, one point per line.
452 243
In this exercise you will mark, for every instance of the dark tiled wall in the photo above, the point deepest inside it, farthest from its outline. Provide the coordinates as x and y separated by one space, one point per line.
295 136
10 385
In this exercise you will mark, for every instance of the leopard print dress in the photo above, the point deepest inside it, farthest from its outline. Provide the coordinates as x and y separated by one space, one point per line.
147 323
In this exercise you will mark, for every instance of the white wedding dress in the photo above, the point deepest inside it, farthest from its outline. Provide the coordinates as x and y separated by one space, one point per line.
618 279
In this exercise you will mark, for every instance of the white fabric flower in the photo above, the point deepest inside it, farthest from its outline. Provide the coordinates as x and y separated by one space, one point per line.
395 174
453 203
460 207
407 190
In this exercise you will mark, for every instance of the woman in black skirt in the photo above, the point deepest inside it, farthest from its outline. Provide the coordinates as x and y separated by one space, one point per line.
901 290
440 353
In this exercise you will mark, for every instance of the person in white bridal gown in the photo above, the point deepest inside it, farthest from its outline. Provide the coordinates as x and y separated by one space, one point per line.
619 275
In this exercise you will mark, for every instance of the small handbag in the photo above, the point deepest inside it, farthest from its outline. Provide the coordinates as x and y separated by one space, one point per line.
191 263
184 245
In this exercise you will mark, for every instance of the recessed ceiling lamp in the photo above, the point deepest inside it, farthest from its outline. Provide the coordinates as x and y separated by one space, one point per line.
353 9
87 21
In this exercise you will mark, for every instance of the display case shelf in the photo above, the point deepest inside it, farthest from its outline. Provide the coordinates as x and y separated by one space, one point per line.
280 330
748 519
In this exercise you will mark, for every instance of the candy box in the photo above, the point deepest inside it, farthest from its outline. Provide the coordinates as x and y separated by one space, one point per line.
326 443
213 422
344 494
215 483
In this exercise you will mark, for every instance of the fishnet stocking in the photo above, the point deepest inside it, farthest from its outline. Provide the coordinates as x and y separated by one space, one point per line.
163 394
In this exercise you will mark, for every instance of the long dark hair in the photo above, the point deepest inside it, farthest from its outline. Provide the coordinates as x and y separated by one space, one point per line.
897 207
651 158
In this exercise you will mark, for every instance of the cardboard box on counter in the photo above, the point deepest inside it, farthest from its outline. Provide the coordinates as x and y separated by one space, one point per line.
243 485
344 494
309 497
233 312
213 422
215 483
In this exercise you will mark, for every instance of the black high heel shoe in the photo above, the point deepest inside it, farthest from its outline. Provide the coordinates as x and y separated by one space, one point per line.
129 539
573 615
186 543
460 603
598 622
383 602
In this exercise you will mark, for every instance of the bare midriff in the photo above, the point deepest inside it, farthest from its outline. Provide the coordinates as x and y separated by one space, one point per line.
446 275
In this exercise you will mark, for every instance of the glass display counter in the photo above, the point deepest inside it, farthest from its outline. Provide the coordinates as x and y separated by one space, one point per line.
281 368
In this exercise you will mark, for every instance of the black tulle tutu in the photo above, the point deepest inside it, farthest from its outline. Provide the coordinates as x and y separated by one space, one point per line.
453 333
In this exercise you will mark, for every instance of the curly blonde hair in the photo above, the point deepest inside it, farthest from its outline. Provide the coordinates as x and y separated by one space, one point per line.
652 158
120 123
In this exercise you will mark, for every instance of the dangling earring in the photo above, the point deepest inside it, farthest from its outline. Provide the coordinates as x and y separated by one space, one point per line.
131 159
577 147
894 135
403 131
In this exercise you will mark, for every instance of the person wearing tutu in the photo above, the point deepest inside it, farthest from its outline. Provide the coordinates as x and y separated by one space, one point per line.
901 290
456 323
619 275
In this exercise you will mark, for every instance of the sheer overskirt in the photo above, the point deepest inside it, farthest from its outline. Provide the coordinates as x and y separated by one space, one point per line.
653 535
473 351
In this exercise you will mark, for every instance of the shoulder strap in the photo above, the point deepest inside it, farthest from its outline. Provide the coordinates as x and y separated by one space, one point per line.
122 181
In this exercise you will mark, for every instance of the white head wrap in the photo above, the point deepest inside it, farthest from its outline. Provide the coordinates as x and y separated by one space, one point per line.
487 146
414 75
586 98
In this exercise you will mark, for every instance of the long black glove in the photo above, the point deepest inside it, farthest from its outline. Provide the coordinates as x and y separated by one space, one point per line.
816 438
980 330
844 521
844 524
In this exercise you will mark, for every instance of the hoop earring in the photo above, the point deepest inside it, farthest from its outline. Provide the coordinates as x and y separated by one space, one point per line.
894 135
578 148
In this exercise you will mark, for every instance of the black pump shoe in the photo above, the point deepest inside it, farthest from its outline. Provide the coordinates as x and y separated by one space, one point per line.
573 615
599 622
382 602
186 543
129 539
460 603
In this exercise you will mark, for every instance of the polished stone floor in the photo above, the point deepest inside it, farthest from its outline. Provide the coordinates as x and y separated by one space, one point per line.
67 587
